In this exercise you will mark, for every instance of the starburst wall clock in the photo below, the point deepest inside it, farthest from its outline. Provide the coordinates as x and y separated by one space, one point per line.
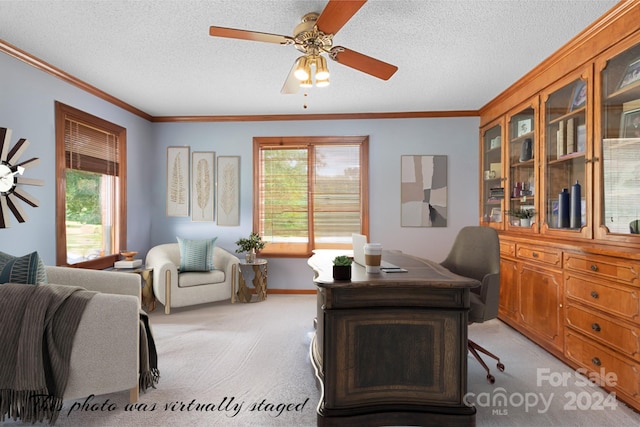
11 179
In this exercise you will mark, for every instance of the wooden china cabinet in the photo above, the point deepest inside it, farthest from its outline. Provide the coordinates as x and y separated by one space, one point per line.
568 149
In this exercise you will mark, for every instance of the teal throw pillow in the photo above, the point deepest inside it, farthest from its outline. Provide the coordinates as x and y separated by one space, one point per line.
28 269
196 255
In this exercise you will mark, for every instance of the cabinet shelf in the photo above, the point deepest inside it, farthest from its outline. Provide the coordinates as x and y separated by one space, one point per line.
566 158
522 137
629 93
575 113
527 163
494 150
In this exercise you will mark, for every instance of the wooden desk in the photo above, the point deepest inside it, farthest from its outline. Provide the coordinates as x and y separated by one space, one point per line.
391 348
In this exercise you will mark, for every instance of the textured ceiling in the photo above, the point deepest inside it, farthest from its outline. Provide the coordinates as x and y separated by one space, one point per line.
158 56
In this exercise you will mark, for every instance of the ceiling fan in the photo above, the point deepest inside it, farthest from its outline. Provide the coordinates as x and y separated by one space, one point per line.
314 37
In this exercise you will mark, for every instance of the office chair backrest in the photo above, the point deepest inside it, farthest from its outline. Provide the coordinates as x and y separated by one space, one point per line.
476 254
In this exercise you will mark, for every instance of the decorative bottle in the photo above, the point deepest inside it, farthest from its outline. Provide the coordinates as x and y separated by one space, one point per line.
563 209
575 220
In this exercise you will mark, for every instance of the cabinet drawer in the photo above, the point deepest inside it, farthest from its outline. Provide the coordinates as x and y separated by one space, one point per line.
610 331
603 266
595 358
546 255
507 248
610 297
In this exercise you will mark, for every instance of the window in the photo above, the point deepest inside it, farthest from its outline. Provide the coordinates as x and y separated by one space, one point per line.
310 192
91 189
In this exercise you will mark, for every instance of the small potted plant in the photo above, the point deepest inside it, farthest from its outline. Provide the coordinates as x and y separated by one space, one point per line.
342 268
250 246
524 215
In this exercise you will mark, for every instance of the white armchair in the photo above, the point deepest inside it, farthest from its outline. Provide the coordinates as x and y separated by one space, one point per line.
180 289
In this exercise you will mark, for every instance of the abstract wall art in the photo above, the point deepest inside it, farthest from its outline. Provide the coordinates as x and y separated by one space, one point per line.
423 191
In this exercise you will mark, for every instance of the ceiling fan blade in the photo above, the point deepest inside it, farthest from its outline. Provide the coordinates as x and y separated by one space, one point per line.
234 33
291 84
364 63
336 13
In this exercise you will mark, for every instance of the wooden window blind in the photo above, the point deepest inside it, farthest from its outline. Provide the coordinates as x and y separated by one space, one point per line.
90 149
311 192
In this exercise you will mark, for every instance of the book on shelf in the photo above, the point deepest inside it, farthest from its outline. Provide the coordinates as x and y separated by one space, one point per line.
496 193
127 264
560 145
581 138
571 135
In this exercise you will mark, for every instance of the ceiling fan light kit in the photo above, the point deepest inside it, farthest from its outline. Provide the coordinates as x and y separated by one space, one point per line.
314 37
302 71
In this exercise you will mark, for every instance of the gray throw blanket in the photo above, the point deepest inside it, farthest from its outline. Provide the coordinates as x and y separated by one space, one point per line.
149 373
37 327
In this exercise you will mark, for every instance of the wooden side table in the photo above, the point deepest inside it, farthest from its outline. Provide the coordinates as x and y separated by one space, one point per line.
146 280
244 293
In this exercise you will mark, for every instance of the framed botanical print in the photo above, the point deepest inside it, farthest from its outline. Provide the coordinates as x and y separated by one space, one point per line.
228 181
178 181
202 186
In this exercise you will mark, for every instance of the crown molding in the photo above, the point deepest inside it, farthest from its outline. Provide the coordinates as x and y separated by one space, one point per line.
41 65
342 116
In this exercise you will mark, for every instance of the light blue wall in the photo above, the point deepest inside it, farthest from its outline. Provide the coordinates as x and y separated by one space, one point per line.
27 98
388 139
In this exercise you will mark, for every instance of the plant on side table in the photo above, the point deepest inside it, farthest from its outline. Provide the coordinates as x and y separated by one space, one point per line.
342 268
250 246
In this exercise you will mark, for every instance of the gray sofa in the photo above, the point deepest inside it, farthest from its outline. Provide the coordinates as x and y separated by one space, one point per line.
104 358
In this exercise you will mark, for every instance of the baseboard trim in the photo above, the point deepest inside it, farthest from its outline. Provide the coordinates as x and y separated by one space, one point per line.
292 291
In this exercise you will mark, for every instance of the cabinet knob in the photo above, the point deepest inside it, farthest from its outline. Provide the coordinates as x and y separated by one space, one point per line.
596 361
595 327
594 294
535 254
594 267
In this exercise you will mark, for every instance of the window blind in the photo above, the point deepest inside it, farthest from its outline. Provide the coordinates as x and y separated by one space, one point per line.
90 149
284 193
310 192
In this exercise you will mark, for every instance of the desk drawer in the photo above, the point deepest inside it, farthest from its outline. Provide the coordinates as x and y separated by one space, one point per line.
620 270
546 255
610 297
619 371
610 331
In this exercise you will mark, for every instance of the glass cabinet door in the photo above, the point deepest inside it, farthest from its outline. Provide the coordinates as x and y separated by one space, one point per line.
617 173
522 179
566 173
492 181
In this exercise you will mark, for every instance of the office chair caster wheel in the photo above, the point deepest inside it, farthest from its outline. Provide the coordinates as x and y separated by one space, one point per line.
491 379
500 367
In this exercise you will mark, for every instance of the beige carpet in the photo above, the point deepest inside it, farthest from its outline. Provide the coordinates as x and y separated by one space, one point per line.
228 364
